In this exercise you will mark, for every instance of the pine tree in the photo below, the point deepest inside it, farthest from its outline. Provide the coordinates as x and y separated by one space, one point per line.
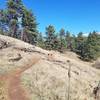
29 25
40 40
73 43
13 13
9 17
50 37
80 43
3 22
69 40
92 47
62 40
18 21
56 43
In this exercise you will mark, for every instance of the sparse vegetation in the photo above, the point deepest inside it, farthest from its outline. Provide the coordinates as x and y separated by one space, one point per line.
48 79
63 71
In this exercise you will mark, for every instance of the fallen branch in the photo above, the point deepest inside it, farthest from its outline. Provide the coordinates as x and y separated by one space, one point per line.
27 50
19 57
3 44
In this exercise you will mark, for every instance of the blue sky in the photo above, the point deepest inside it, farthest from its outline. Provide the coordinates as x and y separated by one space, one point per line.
73 15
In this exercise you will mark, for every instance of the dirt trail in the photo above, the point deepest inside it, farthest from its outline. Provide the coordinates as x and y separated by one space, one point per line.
16 92
13 82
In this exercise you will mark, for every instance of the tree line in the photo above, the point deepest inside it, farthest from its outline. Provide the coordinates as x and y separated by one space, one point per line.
19 22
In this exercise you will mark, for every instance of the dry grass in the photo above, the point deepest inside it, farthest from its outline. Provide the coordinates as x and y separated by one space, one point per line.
3 90
48 79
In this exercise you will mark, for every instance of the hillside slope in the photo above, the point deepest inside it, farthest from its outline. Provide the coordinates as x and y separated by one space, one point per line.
43 75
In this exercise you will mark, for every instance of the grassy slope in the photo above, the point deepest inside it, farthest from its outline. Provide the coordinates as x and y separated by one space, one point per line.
48 79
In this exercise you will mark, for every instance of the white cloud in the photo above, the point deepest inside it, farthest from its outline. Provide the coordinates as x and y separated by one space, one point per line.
85 34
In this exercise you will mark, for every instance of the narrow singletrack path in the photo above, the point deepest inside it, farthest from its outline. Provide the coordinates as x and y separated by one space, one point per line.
15 90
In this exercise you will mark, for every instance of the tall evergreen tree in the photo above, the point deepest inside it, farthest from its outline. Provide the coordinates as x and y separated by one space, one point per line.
18 21
69 40
92 47
80 43
40 40
3 21
62 39
29 25
14 10
9 17
50 37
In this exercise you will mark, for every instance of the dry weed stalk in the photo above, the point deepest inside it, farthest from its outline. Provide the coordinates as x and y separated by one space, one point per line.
69 77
